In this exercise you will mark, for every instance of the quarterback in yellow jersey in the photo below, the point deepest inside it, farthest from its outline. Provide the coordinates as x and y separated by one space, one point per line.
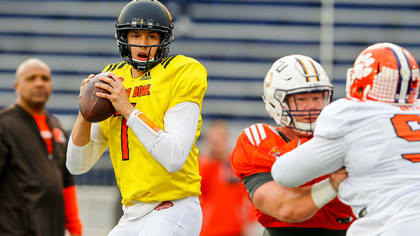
152 136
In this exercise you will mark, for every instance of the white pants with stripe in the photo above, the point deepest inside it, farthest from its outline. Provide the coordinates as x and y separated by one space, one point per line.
182 218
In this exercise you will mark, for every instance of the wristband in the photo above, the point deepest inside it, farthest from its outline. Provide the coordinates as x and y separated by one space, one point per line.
322 193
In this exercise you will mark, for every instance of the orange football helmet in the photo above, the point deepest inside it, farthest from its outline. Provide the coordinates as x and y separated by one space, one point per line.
384 72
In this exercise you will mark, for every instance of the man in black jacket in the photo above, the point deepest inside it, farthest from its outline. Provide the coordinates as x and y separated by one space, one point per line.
38 195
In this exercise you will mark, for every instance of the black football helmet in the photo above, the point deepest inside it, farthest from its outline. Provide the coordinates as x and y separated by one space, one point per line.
144 15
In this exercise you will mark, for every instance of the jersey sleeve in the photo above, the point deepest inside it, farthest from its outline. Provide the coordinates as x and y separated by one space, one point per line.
249 158
114 66
333 122
71 211
317 157
189 85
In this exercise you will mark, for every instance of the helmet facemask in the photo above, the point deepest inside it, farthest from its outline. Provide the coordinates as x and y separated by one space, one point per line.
295 113
126 52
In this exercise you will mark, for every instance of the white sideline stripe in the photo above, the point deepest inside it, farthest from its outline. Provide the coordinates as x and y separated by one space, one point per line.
255 134
249 136
262 131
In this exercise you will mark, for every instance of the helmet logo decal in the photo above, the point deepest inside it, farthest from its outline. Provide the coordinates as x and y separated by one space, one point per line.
362 66
275 152
268 79
282 65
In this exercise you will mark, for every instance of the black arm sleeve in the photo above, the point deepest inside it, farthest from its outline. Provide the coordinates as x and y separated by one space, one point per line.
254 181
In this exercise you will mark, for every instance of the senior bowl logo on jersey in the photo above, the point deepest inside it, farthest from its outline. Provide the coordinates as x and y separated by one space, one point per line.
275 152
139 91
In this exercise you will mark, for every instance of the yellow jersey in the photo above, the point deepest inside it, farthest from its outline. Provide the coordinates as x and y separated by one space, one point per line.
139 176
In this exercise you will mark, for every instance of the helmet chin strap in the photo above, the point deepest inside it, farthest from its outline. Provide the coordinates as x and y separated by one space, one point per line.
300 126
142 62
303 129
153 59
307 127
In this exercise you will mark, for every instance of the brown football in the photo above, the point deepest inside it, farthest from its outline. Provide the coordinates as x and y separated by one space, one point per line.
93 108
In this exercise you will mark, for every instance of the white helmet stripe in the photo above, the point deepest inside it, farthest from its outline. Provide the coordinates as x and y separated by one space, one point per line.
410 79
405 72
248 134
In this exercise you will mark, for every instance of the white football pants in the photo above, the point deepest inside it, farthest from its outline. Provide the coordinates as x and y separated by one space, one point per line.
182 218
408 228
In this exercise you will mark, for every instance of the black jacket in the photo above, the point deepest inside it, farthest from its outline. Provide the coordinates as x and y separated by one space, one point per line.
31 182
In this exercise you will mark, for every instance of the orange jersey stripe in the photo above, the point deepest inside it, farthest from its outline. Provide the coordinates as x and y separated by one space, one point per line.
148 122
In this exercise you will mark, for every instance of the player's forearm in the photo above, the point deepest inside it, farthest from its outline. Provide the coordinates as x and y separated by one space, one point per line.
170 147
170 152
317 157
300 204
81 131
81 159
289 205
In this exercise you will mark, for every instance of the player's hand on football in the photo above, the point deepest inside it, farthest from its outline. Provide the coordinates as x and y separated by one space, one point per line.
85 81
117 96
337 177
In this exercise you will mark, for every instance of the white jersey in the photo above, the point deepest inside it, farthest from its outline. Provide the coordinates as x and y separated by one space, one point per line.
379 145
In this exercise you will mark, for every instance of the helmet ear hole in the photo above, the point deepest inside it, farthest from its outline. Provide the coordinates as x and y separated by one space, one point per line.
360 90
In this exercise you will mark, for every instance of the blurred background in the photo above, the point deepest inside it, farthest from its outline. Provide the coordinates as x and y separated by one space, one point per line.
236 40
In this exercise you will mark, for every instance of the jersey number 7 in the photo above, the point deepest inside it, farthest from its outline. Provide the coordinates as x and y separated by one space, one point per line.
407 127
124 138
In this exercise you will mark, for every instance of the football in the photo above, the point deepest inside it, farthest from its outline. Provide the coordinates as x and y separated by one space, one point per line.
93 108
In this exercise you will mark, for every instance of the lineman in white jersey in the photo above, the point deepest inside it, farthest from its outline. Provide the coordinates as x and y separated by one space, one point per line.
375 134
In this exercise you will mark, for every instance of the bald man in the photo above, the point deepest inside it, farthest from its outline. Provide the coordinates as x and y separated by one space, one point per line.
38 196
